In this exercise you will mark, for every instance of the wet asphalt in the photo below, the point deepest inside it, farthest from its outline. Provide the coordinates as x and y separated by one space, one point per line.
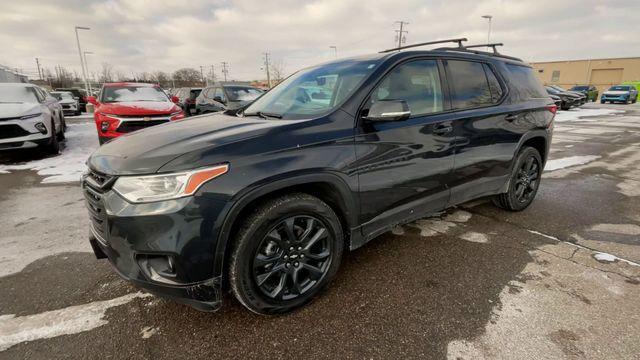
474 282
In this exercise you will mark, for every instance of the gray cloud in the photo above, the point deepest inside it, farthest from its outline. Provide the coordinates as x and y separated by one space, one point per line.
137 36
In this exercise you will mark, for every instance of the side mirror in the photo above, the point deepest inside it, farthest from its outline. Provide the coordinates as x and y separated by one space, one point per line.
175 99
389 110
92 100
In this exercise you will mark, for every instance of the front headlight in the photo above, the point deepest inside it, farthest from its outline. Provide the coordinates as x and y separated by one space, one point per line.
149 188
30 116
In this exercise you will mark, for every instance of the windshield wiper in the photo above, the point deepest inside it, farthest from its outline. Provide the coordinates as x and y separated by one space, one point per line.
264 115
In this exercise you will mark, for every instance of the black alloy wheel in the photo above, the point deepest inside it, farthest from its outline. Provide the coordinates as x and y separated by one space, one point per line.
292 257
285 253
524 182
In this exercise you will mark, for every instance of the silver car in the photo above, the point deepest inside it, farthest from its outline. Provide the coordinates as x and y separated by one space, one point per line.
29 117
70 104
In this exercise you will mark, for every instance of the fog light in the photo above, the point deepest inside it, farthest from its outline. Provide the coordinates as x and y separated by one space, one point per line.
40 127
104 126
160 268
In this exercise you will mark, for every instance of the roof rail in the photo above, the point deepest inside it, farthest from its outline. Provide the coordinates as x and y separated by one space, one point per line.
493 46
466 49
459 41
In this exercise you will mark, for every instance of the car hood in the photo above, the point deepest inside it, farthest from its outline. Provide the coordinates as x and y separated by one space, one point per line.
18 109
139 108
67 101
616 92
146 151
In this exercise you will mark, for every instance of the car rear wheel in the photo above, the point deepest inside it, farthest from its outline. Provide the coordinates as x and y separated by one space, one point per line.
285 253
524 182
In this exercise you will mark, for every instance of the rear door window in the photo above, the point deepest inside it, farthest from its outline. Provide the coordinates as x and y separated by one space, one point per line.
469 85
417 83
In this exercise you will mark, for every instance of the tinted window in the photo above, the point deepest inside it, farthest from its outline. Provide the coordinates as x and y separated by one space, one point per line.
494 84
417 83
524 84
242 93
194 93
469 84
579 88
219 93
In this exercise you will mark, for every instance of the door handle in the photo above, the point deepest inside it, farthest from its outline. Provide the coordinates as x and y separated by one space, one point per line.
511 117
442 129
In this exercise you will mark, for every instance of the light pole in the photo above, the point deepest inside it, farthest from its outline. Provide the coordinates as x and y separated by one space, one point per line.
84 74
335 50
86 65
488 17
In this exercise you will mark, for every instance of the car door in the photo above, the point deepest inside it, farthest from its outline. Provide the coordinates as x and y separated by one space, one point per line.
219 99
404 166
487 129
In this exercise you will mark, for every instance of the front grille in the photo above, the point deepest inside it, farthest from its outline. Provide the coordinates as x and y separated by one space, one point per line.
66 106
129 126
141 116
94 186
12 131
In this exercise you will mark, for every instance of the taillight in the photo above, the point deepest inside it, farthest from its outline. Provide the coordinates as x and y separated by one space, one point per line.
553 108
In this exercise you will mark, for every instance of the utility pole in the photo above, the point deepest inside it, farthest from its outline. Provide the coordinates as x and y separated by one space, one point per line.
225 70
84 75
266 66
400 37
86 65
335 49
488 17
38 65
202 76
213 74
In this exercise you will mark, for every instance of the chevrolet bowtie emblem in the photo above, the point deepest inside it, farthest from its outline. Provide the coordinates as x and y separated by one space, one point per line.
146 118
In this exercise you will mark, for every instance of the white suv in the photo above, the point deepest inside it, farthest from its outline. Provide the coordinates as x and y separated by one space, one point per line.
29 117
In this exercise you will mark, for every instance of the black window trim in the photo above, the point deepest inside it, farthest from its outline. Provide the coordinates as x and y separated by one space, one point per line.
505 89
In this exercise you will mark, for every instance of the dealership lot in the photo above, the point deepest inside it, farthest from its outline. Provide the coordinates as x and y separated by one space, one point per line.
560 279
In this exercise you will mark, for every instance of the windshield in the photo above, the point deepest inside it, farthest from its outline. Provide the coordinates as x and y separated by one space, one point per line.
18 94
620 88
111 94
62 95
239 93
580 88
551 90
313 91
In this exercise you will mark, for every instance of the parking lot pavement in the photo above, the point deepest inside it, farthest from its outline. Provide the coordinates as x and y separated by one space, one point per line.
558 280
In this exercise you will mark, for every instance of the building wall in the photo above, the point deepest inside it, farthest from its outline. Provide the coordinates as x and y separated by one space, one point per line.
603 73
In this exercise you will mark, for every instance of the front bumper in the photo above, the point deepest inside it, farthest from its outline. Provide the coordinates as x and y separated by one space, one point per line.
23 134
614 98
184 230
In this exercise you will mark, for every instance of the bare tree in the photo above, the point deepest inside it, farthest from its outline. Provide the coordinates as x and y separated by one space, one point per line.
277 71
106 73
187 77
161 78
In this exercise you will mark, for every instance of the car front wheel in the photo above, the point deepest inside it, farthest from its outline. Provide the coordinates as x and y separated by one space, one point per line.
285 253
524 182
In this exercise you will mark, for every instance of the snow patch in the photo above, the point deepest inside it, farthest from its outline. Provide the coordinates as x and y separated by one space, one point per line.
70 320
562 163
148 332
460 216
579 114
69 165
475 237
397 230
622 229
604 257
629 187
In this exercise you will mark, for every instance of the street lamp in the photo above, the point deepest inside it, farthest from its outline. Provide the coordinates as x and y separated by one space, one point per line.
86 65
335 50
488 17
84 74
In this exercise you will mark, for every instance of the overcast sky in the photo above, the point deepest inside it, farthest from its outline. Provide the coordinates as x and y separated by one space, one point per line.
136 36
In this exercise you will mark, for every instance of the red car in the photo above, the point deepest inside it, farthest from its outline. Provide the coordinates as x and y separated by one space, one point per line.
126 107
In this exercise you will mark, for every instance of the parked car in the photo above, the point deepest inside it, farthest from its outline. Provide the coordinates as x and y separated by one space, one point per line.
68 102
30 117
556 100
589 90
568 99
126 107
187 98
582 97
268 201
620 93
80 94
227 97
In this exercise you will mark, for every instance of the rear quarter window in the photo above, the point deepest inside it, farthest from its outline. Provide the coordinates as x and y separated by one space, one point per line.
472 84
524 83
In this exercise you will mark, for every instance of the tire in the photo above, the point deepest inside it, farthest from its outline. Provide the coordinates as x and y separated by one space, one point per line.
63 128
53 146
514 199
263 238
